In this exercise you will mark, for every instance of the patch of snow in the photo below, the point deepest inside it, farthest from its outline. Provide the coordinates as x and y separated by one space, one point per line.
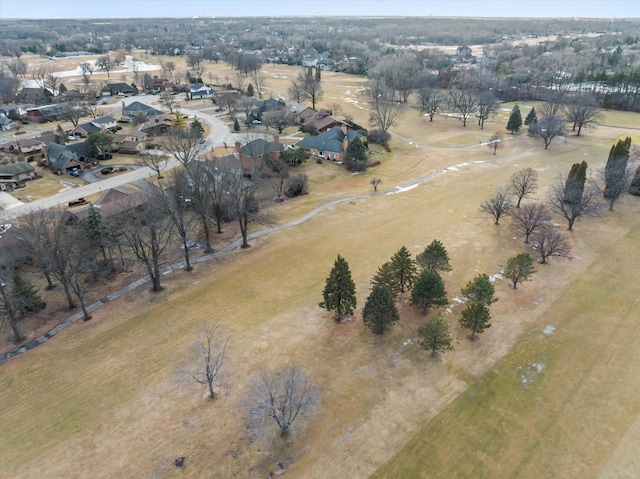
453 168
399 189
458 300
549 329
495 277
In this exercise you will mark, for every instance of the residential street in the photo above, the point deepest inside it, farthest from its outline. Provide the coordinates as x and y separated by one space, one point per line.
219 135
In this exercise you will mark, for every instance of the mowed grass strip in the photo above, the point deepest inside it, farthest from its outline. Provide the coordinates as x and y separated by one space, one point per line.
580 390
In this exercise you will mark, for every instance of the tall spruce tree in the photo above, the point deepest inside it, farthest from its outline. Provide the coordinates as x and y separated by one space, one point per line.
615 171
574 184
404 268
532 117
428 291
434 256
380 311
435 337
340 291
386 277
480 289
515 120
475 317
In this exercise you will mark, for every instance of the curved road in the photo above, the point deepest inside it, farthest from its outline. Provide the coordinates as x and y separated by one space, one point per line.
398 189
219 135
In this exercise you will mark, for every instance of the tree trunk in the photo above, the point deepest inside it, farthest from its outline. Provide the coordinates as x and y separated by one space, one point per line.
187 261
207 236
155 277
50 284
212 395
571 221
67 292
243 220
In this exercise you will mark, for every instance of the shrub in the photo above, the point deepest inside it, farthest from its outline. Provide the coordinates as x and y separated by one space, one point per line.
107 170
379 137
297 185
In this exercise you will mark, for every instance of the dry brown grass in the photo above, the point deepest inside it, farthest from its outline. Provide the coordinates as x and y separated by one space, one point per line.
102 400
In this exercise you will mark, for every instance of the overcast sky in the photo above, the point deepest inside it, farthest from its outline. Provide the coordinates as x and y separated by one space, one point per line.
237 8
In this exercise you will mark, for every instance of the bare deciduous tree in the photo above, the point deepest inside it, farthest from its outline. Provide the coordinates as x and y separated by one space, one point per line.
547 128
487 105
571 204
260 83
496 142
582 113
498 206
278 119
286 397
148 232
465 103
523 184
550 243
184 145
155 160
530 218
105 64
375 182
207 359
168 100
385 113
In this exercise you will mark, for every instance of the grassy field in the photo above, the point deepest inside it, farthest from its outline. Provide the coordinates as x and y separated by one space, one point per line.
102 399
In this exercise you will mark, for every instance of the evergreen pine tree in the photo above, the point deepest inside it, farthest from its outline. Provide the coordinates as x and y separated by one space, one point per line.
339 293
515 120
25 298
404 268
197 128
356 158
236 125
386 277
95 231
519 268
250 90
380 311
532 117
615 171
434 256
475 317
574 185
435 337
428 291
480 289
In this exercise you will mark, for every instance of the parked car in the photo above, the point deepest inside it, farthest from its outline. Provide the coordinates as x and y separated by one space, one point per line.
74 173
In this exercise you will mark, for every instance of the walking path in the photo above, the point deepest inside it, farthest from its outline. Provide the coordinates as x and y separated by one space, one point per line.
179 265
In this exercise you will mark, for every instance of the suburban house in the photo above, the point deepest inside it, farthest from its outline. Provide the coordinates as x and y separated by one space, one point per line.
130 143
14 175
301 113
321 121
136 108
26 146
112 202
253 152
331 144
199 91
62 159
156 125
34 96
99 125
114 89
46 113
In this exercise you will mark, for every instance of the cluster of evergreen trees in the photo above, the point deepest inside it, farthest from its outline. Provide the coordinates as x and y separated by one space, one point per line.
422 279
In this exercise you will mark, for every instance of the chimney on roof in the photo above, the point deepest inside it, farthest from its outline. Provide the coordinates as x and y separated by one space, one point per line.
276 139
343 127
345 143
123 106
238 147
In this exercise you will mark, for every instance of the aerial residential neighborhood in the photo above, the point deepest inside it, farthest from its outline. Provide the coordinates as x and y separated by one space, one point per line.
364 240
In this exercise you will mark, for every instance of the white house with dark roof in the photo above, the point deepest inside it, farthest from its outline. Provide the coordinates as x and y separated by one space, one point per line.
200 90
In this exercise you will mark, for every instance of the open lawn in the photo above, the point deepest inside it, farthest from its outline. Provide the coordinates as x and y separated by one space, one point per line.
102 399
